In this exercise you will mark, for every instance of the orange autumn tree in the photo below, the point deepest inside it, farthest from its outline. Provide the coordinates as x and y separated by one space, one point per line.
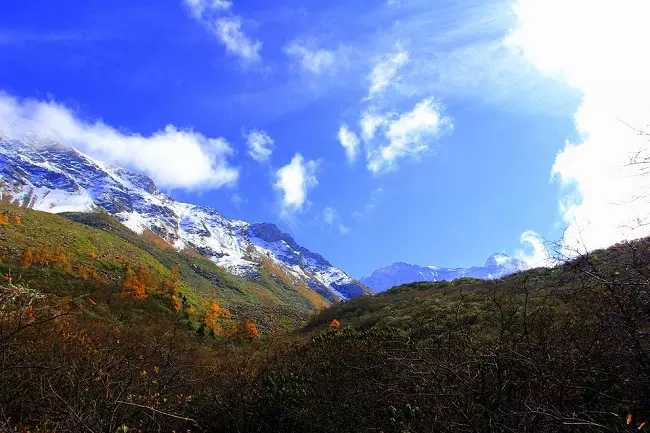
27 258
17 220
251 329
334 325
214 312
89 272
133 288
61 260
171 285
224 313
176 304
144 277
4 219
42 257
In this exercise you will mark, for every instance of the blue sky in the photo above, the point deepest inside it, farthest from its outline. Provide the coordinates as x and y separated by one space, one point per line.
272 98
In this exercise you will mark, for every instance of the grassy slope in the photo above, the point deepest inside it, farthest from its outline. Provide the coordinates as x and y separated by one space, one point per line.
200 273
415 304
113 245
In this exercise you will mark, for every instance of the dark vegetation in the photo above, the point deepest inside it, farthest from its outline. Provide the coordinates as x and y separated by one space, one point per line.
547 350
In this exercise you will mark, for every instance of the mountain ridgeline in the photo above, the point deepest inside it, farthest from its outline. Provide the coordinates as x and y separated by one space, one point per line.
497 266
47 175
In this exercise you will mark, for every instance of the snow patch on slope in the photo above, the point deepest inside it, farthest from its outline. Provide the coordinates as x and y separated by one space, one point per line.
52 177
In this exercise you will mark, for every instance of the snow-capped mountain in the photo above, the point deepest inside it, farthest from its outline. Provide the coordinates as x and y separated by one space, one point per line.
51 176
497 266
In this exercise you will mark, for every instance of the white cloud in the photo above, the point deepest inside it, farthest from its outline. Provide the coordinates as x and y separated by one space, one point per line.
329 215
386 70
226 26
260 145
406 134
294 181
349 141
331 219
172 157
369 123
389 135
199 7
229 31
596 47
537 255
316 61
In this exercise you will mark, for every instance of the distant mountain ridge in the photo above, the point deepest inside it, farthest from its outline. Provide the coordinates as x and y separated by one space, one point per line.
497 265
47 175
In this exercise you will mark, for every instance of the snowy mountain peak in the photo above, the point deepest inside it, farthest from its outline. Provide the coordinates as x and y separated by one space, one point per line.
51 176
270 232
497 265
504 260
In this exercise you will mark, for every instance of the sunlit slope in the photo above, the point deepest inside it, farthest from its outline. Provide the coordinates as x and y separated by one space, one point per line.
91 253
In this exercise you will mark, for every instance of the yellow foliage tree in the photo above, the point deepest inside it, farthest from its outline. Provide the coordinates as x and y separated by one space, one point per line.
27 258
42 257
251 329
133 287
89 272
176 304
61 261
214 312
144 277
334 325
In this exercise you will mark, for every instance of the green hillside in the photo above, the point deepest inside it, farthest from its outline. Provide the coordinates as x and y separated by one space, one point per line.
96 242
203 275
546 350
